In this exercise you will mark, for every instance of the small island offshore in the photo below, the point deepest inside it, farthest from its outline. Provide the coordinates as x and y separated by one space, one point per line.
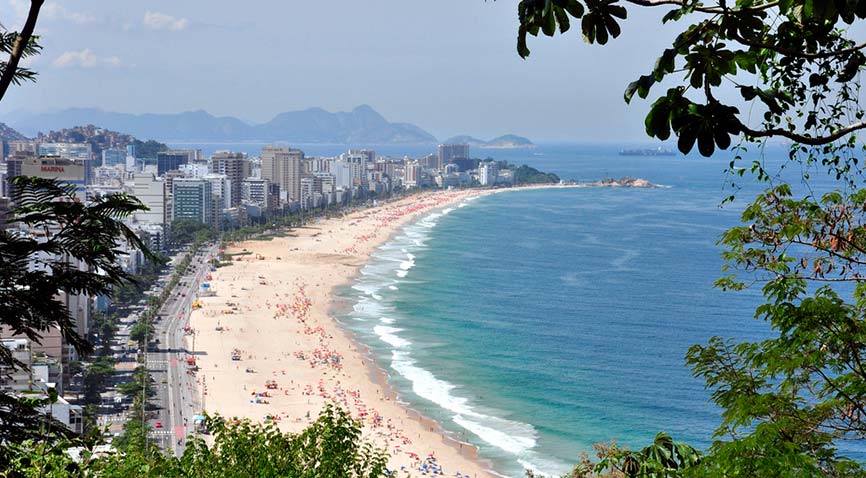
508 141
624 182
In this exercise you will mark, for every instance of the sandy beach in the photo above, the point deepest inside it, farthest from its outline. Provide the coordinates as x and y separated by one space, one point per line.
271 309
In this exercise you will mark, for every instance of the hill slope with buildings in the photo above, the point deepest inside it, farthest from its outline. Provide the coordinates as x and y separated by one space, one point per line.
101 139
9 134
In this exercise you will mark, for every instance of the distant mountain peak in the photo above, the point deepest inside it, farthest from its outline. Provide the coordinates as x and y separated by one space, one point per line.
361 125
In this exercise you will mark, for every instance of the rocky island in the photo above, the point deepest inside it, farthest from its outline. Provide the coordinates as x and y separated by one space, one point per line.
508 141
623 182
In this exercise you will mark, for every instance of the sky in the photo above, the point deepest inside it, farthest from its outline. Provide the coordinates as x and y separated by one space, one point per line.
448 66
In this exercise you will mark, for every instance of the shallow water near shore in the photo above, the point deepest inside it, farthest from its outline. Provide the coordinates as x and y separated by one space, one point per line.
536 323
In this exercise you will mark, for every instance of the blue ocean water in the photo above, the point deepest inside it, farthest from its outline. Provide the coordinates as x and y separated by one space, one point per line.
536 323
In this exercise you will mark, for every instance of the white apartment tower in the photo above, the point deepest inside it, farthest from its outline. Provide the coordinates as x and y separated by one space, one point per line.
284 166
255 191
150 190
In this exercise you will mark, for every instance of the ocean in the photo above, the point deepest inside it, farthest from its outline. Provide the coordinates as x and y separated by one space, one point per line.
534 324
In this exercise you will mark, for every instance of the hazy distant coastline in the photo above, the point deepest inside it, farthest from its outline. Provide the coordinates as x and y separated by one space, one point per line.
362 125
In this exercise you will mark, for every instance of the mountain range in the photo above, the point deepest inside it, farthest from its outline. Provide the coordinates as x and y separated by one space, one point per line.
362 125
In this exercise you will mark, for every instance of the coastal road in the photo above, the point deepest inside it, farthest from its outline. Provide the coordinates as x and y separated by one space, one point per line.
175 388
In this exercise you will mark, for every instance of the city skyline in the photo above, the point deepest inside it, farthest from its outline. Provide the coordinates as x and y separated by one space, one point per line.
450 67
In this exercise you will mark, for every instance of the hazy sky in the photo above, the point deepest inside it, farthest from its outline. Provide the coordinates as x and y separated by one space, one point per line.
449 66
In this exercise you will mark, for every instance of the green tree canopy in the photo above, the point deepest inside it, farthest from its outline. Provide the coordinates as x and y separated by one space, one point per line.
331 447
793 58
794 403
186 231
55 244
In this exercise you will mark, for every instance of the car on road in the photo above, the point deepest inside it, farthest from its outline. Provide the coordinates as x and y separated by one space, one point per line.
158 425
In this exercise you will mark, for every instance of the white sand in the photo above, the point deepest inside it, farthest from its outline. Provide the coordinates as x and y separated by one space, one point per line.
282 327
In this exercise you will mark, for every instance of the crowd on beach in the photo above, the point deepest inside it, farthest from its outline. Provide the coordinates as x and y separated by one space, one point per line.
296 307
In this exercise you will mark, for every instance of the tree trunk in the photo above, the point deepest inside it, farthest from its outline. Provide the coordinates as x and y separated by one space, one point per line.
19 47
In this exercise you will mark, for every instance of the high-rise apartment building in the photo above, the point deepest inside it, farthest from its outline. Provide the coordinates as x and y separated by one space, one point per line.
113 157
222 189
412 173
284 166
236 167
23 147
358 161
174 159
69 171
450 152
13 164
150 190
81 153
254 191
75 151
192 198
342 172
488 173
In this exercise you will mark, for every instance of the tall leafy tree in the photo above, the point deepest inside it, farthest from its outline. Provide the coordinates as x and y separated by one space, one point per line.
331 447
55 244
795 403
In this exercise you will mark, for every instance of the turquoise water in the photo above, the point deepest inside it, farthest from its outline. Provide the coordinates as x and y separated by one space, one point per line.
536 323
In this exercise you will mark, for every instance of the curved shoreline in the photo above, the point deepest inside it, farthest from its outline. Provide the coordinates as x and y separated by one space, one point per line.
323 256
378 372
323 261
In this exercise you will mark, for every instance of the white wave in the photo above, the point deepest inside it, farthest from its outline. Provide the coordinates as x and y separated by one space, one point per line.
402 273
537 470
503 440
426 385
368 308
376 296
389 336
448 210
367 287
387 320
510 436
407 264
393 287
462 205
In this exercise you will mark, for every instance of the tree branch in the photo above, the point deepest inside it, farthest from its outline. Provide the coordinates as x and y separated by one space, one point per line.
796 53
19 47
713 10
799 138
